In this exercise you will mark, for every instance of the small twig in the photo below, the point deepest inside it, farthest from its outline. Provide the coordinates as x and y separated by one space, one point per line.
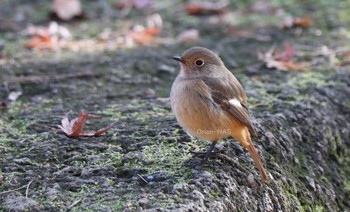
34 79
74 204
27 190
26 186
9 191
143 178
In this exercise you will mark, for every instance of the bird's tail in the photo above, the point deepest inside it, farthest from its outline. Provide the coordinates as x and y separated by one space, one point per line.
257 159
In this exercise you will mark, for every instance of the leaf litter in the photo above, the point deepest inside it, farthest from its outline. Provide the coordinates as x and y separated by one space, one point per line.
75 127
282 59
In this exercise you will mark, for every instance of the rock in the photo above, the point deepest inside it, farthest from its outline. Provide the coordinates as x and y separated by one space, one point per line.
132 156
51 192
311 183
252 182
145 93
143 202
267 202
166 69
23 161
18 203
181 187
196 195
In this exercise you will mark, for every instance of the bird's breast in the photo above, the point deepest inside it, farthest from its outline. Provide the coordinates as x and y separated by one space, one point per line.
196 112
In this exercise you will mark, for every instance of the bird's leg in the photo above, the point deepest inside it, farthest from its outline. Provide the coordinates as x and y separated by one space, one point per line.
207 154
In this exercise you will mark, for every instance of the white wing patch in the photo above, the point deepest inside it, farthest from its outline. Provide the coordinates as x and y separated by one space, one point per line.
235 102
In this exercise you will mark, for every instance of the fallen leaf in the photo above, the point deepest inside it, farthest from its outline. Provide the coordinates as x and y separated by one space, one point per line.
291 22
75 127
42 41
281 59
343 58
190 35
286 66
286 55
66 9
144 35
46 37
207 8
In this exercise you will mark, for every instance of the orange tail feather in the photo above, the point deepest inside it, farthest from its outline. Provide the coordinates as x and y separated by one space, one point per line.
257 160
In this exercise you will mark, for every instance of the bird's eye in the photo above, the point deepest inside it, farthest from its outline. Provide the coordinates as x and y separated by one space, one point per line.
199 62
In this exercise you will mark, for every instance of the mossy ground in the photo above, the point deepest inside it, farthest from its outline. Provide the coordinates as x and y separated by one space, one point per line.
144 162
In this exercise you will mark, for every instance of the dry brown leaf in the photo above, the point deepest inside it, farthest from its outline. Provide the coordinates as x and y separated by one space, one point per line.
66 9
144 35
286 66
75 127
42 41
207 8
46 37
343 58
297 22
281 59
285 55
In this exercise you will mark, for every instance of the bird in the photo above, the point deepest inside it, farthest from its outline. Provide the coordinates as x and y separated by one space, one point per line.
210 103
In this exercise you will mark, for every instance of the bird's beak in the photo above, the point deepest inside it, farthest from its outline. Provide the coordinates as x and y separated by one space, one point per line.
177 58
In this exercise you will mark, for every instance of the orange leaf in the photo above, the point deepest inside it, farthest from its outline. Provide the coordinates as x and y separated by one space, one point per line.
295 66
41 40
281 59
153 31
144 36
286 55
297 22
75 127
286 66
303 22
206 8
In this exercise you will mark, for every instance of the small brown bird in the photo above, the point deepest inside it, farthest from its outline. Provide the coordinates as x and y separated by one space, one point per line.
210 103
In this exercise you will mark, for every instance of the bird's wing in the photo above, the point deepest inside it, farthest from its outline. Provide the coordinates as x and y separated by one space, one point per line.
229 94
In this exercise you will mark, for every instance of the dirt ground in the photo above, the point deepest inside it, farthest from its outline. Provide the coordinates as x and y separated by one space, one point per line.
144 162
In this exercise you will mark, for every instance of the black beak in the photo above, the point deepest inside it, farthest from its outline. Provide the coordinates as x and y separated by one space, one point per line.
177 58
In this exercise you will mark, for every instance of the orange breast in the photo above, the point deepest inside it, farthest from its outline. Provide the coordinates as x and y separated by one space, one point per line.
196 112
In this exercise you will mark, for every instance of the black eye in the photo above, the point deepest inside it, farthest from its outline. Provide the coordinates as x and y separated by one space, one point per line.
199 62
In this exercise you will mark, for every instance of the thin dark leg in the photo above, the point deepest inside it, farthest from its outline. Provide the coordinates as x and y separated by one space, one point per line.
207 154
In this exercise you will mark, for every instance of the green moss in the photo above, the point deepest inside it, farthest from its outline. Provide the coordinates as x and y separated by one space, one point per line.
306 79
215 194
110 157
292 200
165 157
313 208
